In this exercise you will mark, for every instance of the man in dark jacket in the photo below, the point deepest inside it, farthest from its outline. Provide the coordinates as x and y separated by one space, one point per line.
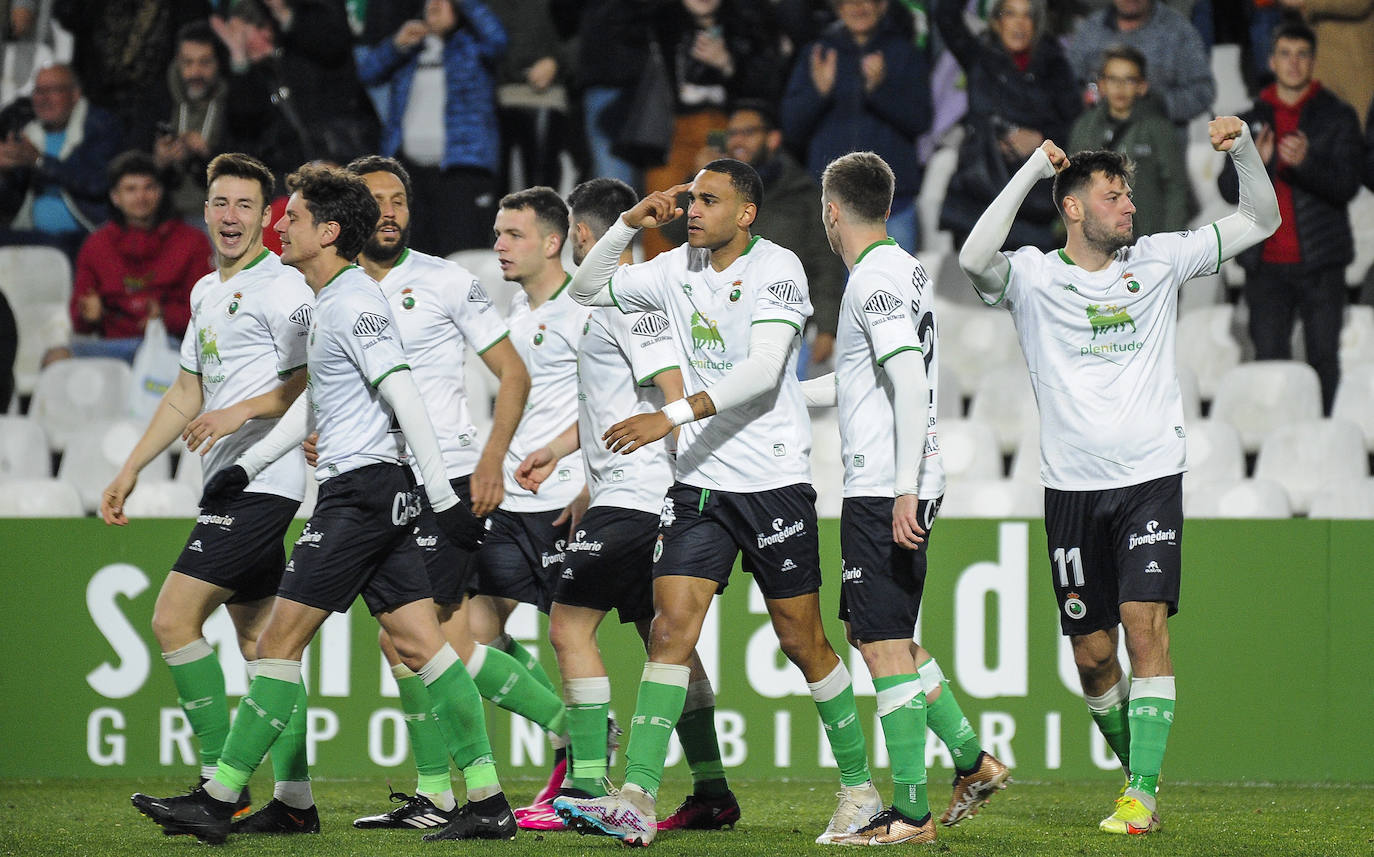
1310 142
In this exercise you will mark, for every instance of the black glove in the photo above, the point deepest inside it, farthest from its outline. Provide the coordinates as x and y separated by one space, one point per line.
464 529
224 486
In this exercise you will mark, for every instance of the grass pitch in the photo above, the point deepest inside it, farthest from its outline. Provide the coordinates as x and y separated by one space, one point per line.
74 818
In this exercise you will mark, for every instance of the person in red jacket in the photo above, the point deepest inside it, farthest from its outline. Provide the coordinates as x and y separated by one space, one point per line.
139 266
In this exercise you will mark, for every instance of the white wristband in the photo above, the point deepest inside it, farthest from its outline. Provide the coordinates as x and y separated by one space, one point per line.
678 412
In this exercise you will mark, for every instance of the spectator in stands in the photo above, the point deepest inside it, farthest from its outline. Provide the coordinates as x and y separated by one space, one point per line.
863 85
613 47
22 52
121 51
442 124
52 171
1125 121
1021 92
1310 142
139 266
1180 69
532 95
294 94
197 127
1345 30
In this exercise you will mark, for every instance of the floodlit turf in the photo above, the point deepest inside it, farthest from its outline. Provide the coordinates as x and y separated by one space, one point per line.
74 818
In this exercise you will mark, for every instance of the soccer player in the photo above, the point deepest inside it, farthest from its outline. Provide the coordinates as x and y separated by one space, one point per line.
884 384
359 539
626 364
1097 322
439 309
243 362
735 304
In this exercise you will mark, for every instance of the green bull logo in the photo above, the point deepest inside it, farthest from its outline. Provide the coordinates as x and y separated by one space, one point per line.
705 334
209 346
1109 319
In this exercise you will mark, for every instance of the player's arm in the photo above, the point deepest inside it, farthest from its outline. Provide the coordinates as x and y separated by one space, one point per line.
1257 216
589 285
981 258
538 465
488 485
822 392
769 342
213 425
289 432
178 407
910 410
669 383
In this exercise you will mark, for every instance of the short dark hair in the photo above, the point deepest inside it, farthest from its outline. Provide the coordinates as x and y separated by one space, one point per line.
862 183
1083 165
548 207
379 164
766 111
1294 28
333 194
743 178
1123 52
240 166
598 202
201 33
132 163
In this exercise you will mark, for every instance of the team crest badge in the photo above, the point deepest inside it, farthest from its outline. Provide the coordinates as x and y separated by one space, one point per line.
735 292
539 335
407 299
233 304
1074 607
1132 285
658 549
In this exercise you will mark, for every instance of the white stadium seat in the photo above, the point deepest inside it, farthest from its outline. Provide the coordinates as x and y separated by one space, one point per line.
35 275
1206 345
162 500
1236 498
1351 499
39 498
1355 399
1258 397
95 454
23 449
1025 464
1214 452
1003 399
1306 457
969 450
993 498
1357 335
977 340
951 404
41 327
73 395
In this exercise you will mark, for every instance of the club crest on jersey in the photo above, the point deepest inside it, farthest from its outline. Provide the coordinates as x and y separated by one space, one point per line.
233 304
882 303
407 299
786 291
735 292
705 334
1074 607
652 324
370 324
477 294
539 335
303 315
1108 319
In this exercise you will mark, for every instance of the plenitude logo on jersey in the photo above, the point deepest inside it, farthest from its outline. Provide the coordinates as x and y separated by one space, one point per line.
1106 319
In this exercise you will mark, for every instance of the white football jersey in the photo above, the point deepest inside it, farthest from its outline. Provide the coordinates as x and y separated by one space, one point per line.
353 346
441 308
1100 348
616 364
546 339
888 307
246 334
764 443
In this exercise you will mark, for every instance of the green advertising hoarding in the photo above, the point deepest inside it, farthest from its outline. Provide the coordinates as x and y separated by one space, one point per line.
1271 644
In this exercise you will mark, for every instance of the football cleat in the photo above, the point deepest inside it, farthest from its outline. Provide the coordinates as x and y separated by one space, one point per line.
973 791
1130 816
857 805
197 814
613 815
415 811
277 817
890 827
469 823
703 813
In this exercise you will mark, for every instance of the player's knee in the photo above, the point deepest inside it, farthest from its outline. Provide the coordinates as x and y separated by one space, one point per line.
173 630
672 638
803 646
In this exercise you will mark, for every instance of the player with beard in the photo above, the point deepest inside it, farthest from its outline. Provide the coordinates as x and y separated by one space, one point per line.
1097 322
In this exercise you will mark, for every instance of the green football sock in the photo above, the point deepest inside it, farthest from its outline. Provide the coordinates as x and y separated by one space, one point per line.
457 707
696 730
588 706
503 680
288 751
426 743
525 658
902 709
262 715
662 691
200 693
834 697
946 719
1151 714
1109 712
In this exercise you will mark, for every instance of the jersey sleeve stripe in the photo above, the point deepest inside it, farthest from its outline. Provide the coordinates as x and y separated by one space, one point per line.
192 371
1006 283
291 371
494 343
776 321
654 374
610 288
1217 232
896 351
396 368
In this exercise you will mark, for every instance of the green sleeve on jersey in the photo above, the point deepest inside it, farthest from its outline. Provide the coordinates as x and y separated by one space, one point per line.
192 371
611 290
888 355
397 368
293 370
777 321
1006 283
644 382
494 343
1217 232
